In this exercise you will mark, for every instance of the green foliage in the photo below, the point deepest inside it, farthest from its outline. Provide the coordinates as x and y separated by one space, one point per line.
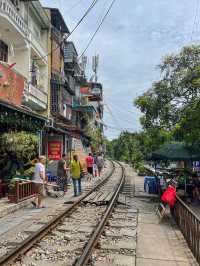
126 148
170 110
172 104
141 168
96 137
12 186
24 145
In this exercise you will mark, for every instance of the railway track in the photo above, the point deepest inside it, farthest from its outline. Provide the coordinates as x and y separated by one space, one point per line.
64 238
114 240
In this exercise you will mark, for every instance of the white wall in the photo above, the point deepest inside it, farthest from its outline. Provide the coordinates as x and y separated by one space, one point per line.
22 60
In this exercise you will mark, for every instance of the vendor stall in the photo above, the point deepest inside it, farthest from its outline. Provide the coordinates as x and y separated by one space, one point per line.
182 154
19 143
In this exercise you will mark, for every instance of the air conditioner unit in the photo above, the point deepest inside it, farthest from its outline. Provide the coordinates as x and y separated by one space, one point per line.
49 122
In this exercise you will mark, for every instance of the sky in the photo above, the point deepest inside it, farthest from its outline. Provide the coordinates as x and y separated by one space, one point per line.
131 43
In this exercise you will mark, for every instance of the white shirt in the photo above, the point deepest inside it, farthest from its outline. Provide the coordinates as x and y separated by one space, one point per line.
39 167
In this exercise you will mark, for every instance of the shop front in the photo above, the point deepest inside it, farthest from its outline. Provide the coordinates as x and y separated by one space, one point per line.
20 143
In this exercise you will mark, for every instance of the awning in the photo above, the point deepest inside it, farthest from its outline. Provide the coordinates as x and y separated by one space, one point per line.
84 108
18 118
175 151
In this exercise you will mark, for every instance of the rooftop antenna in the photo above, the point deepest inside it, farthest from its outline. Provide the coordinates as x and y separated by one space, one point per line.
95 65
83 63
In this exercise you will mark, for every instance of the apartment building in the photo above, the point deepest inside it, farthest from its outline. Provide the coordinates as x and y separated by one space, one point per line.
40 73
24 28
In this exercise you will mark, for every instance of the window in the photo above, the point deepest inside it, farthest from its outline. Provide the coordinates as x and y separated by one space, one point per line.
35 75
3 51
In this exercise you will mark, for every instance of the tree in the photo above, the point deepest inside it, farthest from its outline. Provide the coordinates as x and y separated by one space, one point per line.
172 103
170 109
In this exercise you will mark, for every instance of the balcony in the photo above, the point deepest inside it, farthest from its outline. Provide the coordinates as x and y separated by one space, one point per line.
70 55
35 98
96 92
39 50
10 12
82 105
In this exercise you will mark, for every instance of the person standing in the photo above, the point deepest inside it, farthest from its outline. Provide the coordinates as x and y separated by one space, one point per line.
100 164
95 169
39 180
76 175
62 173
89 162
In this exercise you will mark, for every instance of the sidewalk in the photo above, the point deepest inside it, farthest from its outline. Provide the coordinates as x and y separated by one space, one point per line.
158 244
7 208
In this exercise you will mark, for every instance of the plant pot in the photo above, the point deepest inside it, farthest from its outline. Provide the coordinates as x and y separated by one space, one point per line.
12 198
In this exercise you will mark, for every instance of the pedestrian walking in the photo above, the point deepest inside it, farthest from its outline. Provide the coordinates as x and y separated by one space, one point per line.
100 164
89 162
95 169
76 175
62 173
39 180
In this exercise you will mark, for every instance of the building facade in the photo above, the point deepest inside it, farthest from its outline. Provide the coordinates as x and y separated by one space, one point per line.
23 48
41 75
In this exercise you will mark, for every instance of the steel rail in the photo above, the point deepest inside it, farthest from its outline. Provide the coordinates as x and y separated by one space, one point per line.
44 230
87 252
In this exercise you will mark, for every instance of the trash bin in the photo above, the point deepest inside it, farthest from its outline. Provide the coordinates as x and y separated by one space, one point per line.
150 184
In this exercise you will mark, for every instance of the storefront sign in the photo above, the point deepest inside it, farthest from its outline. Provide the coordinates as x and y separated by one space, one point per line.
54 150
11 85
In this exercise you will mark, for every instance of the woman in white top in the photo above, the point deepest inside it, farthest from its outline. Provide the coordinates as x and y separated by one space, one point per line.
39 179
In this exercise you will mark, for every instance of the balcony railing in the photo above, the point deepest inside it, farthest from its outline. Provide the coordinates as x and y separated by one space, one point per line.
35 92
8 9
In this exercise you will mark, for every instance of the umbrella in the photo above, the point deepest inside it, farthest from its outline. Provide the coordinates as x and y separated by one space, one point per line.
175 151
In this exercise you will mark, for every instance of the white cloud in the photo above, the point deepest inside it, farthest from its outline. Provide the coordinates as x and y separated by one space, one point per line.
131 43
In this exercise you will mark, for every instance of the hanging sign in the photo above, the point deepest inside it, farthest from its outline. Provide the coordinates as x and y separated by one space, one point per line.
54 150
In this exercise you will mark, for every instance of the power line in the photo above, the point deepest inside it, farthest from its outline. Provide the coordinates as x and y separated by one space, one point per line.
195 19
118 129
74 6
98 28
86 13
129 121
121 109
77 25
113 117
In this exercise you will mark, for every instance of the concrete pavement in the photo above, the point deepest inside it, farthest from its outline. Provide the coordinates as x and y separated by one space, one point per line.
158 244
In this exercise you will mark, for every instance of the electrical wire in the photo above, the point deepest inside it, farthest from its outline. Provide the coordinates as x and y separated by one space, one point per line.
113 117
118 129
122 109
98 28
94 2
195 19
129 121
74 6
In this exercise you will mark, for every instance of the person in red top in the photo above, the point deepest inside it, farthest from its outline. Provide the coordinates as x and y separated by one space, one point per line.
89 162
